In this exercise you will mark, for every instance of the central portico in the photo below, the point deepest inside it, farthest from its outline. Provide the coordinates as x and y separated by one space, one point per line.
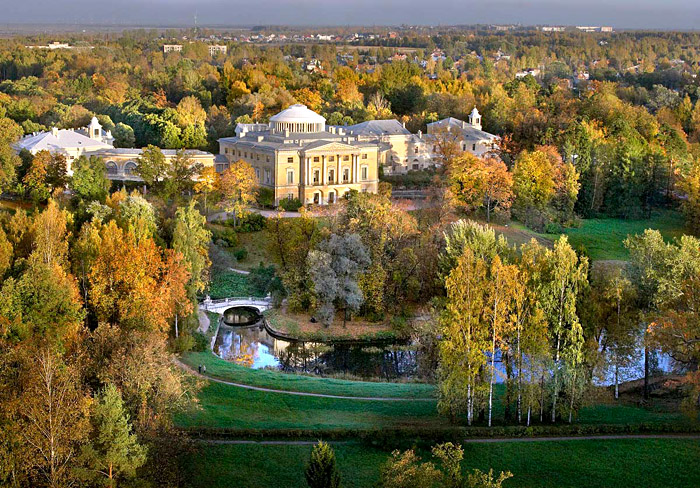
297 157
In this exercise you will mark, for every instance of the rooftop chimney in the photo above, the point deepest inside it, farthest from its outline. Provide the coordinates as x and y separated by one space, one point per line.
54 131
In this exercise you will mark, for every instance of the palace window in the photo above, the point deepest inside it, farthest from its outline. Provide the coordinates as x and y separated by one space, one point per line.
317 176
331 176
331 158
290 159
257 173
267 176
364 156
364 173
346 158
316 159
290 177
346 175
473 147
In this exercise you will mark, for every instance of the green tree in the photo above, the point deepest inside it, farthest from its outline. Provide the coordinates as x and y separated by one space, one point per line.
191 238
151 165
321 470
124 135
113 451
89 181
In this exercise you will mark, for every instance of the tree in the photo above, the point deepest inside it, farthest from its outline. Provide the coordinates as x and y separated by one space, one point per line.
191 238
533 184
461 355
207 182
179 175
54 417
113 451
124 135
151 165
334 267
89 181
321 470
237 185
9 160
136 215
289 242
690 184
565 275
482 183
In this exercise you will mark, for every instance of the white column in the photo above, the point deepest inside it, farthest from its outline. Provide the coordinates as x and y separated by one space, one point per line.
324 176
337 172
306 172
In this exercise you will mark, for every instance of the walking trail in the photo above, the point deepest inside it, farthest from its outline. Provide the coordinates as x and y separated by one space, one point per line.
298 393
485 440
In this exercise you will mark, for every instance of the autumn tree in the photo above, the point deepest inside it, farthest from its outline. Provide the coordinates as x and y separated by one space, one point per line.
237 185
151 166
54 415
207 182
482 183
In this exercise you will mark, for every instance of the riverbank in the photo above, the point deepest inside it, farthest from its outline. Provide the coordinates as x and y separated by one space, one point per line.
298 326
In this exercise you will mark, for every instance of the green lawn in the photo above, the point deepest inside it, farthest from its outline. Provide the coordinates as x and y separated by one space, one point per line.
603 238
633 463
227 407
295 382
223 406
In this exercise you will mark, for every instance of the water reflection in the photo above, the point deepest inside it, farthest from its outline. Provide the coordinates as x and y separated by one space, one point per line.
254 347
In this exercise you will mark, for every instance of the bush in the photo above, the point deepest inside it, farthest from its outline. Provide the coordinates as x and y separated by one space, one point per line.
265 197
183 343
252 222
201 342
224 237
292 205
322 471
241 254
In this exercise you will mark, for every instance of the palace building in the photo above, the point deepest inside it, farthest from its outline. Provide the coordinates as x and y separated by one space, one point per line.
469 134
297 156
93 140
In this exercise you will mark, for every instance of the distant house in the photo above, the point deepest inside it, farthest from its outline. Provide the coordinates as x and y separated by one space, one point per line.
215 49
528 72
170 48
470 136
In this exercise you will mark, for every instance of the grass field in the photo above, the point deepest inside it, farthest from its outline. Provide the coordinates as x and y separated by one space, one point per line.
227 407
312 384
603 238
633 463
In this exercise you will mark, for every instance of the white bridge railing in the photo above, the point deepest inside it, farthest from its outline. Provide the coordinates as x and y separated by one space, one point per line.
220 304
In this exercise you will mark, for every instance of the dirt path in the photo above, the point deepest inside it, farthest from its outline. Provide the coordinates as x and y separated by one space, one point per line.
486 440
298 393
203 322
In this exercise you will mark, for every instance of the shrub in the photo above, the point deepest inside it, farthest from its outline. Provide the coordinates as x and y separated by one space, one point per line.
251 222
322 471
225 237
241 254
265 197
201 342
292 205
183 343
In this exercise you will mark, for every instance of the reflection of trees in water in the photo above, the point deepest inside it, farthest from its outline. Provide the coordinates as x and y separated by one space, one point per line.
357 360
240 346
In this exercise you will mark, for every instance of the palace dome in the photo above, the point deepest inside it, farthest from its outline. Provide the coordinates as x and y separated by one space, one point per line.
298 119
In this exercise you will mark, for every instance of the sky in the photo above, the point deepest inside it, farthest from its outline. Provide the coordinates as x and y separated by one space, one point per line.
637 14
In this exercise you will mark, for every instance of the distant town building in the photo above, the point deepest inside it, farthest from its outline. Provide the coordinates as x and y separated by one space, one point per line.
59 45
297 156
170 48
594 28
528 72
552 28
215 49
470 136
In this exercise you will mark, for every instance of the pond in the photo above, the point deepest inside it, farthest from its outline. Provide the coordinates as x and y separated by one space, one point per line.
243 339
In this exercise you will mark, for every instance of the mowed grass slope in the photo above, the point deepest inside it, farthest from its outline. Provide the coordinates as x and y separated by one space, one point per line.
632 463
603 239
311 384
